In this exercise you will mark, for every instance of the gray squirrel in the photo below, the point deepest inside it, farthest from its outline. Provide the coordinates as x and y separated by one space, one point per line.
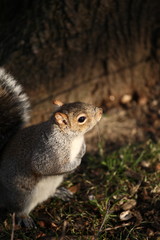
34 160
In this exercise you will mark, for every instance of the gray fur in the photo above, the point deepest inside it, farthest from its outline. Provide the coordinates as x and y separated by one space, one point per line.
34 160
45 153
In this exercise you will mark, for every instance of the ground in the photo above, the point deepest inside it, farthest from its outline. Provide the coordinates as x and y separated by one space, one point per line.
108 55
115 196
133 118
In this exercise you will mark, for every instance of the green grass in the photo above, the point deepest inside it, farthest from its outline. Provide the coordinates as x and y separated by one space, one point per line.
102 185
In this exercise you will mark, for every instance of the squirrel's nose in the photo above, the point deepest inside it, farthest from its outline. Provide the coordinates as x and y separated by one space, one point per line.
98 113
100 110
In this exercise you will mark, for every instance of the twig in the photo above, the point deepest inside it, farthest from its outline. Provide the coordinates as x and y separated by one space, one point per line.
104 220
13 226
63 230
119 226
49 214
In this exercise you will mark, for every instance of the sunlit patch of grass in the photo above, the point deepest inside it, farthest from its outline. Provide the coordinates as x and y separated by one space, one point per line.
102 184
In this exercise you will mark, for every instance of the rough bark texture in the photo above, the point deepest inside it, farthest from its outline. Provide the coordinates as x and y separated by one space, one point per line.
81 50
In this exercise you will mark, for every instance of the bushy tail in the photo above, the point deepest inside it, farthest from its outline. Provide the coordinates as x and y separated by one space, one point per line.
14 107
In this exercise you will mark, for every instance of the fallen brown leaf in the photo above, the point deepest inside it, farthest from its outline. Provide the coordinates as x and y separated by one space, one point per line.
75 188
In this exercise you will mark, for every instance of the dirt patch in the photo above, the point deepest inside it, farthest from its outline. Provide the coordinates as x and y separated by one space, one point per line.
134 120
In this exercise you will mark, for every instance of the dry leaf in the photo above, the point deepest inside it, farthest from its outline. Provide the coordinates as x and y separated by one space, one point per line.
126 215
41 223
74 189
40 235
126 98
131 203
53 225
145 164
157 167
138 217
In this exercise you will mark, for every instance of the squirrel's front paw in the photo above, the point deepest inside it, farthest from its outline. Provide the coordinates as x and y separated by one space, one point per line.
25 221
63 194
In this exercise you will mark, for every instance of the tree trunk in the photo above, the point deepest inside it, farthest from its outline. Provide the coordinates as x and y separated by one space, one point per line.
94 51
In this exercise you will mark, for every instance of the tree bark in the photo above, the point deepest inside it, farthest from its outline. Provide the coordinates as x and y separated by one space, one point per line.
81 50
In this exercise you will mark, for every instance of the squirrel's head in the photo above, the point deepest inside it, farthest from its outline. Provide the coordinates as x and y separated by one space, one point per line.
76 117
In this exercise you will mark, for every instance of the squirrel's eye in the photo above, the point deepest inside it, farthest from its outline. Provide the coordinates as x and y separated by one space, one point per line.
81 119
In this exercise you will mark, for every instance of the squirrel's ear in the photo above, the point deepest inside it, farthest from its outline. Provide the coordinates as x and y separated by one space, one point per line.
61 119
58 103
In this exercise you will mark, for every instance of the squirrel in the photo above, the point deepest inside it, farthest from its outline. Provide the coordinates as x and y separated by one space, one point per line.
35 159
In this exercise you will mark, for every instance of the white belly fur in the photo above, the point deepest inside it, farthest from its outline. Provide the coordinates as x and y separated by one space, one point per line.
42 191
75 147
